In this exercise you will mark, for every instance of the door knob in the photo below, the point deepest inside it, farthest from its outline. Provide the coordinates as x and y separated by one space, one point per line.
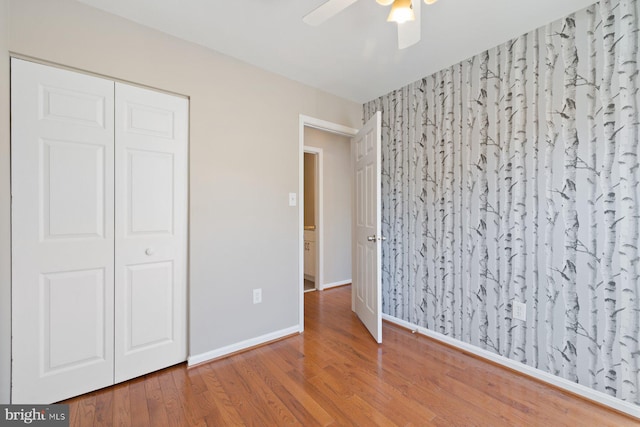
149 251
374 238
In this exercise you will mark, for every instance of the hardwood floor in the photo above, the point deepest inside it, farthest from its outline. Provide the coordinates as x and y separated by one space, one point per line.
335 374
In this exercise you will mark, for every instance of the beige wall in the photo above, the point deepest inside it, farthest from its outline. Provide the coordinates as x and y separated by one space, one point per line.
336 174
233 173
5 248
309 189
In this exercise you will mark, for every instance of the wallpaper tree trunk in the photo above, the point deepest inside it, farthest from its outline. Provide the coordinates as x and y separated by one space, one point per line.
551 211
513 176
449 216
628 161
470 238
507 184
460 243
497 213
520 191
481 228
591 330
434 200
568 193
608 191
442 287
535 136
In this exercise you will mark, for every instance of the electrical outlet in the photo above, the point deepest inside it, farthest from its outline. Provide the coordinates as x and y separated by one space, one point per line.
519 310
257 296
293 199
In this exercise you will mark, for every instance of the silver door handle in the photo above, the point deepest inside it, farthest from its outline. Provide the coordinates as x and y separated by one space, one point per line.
374 238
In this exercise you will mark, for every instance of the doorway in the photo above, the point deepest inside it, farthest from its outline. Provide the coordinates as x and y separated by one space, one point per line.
312 206
308 125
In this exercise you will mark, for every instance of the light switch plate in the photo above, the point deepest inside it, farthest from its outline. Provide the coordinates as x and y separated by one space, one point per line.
293 199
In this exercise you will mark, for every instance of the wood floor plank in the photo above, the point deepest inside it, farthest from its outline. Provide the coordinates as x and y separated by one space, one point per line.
104 409
365 383
334 374
306 410
139 408
334 408
263 384
250 407
172 400
85 411
336 397
121 405
215 403
186 394
155 403
74 406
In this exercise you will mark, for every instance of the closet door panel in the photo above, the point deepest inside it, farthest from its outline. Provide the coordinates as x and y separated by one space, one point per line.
62 155
73 177
151 209
150 178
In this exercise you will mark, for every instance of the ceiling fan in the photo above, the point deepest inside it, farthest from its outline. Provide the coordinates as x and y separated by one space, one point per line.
406 13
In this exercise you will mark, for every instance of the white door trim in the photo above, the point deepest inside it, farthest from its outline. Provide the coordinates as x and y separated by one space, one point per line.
319 214
328 127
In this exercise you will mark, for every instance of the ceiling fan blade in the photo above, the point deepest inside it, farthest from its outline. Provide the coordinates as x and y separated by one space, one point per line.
326 11
409 32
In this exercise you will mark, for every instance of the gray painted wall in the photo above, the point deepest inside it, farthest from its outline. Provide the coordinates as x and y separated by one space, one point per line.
243 159
5 210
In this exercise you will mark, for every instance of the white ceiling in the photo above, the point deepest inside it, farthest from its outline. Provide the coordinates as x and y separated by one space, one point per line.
354 54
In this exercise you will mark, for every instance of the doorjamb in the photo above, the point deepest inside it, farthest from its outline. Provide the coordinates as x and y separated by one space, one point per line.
312 122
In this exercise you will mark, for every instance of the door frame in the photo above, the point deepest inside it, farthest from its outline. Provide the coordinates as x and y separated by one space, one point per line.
319 214
324 125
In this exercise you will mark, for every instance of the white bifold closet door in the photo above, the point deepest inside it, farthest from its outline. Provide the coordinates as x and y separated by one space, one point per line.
151 220
98 232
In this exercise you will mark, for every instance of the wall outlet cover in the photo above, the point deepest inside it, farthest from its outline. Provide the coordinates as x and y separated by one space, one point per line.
519 310
257 296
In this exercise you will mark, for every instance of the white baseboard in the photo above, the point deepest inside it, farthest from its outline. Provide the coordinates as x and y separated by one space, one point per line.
242 345
579 389
334 284
310 277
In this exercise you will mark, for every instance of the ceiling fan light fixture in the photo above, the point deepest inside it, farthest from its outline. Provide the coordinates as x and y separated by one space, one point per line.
401 12
384 2
430 1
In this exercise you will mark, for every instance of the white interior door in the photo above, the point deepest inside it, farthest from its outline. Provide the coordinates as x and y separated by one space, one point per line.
367 238
62 233
151 234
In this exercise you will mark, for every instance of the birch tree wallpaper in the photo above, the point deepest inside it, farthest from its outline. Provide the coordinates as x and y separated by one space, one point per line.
513 177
